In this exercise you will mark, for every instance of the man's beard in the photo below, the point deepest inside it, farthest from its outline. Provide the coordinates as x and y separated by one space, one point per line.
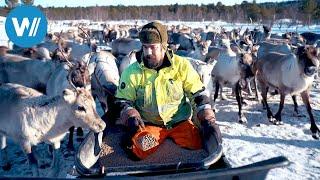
150 63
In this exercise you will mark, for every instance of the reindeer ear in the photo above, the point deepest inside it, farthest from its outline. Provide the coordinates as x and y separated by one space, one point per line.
69 96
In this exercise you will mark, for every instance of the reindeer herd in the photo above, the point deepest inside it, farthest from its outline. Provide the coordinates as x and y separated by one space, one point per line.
51 88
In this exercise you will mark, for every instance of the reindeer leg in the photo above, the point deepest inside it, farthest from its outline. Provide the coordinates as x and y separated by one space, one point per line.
215 95
243 102
249 87
56 163
264 92
70 145
241 118
314 128
6 165
277 116
294 98
296 111
79 131
26 146
222 96
256 89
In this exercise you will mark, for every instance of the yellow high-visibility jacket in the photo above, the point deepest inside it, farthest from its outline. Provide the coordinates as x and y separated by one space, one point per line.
160 96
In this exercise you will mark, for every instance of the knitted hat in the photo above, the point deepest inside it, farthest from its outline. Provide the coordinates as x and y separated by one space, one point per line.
154 32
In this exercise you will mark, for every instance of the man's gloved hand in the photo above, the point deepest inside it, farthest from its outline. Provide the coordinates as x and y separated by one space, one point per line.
208 126
133 122
132 119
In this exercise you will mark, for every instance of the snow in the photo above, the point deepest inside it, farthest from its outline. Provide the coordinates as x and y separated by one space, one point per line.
260 140
3 35
242 144
20 166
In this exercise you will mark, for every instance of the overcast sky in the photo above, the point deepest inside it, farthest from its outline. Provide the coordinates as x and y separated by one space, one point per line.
61 3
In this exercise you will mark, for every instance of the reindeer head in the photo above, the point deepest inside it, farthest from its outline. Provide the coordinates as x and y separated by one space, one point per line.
296 39
203 46
246 63
309 59
79 75
83 109
40 53
62 55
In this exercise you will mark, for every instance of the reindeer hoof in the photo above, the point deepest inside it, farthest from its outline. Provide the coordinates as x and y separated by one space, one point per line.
276 122
271 119
214 108
315 136
243 120
7 167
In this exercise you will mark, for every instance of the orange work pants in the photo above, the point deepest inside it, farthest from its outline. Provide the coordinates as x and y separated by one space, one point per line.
185 134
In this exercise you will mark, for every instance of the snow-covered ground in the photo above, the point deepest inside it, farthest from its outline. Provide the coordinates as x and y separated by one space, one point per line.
57 26
243 144
260 140
3 35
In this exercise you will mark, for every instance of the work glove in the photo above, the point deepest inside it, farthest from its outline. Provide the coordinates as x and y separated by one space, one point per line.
133 123
209 127
131 119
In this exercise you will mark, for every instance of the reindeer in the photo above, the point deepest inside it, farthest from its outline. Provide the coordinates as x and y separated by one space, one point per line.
123 46
231 69
289 74
31 118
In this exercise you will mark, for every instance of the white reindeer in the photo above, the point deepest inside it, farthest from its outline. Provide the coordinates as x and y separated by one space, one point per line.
31 118
231 69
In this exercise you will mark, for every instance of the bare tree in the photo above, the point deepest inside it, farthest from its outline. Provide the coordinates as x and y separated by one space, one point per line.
309 7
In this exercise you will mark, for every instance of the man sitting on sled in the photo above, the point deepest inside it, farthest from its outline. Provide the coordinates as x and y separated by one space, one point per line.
153 96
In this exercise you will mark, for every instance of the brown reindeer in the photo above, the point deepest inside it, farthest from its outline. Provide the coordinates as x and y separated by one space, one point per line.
289 74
